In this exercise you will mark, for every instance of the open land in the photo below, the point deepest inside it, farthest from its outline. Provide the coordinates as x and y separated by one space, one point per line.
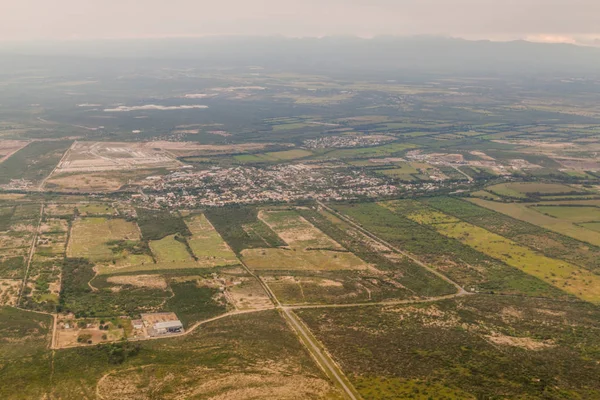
320 234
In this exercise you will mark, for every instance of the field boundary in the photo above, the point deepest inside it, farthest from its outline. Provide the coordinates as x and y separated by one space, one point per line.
460 289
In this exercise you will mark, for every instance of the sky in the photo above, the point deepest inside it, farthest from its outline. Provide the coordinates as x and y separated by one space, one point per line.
569 21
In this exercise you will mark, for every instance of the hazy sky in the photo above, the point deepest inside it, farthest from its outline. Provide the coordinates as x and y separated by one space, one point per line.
546 20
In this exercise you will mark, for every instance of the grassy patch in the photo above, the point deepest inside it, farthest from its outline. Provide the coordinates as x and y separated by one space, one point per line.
170 249
573 214
208 246
527 214
33 162
90 237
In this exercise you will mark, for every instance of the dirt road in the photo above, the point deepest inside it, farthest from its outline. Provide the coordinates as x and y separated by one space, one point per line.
344 218
30 256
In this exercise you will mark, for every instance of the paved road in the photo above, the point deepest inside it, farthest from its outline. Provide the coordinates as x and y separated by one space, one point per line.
322 358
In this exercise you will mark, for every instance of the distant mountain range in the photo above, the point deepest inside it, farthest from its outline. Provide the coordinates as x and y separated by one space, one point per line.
437 55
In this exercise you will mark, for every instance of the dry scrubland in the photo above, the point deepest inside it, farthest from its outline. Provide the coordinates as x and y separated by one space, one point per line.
222 360
466 348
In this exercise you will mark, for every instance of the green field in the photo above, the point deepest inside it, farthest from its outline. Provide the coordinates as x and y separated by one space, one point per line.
594 226
568 277
369 152
34 162
551 244
95 209
171 250
472 269
528 214
207 245
522 189
90 237
275 156
402 171
570 213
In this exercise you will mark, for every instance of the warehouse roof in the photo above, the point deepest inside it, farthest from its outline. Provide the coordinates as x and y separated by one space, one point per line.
168 324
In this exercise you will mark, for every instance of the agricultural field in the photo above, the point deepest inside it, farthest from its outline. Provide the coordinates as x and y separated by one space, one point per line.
308 249
208 247
568 277
522 190
524 212
276 156
549 243
296 231
570 213
34 162
90 237
473 270
171 249
465 348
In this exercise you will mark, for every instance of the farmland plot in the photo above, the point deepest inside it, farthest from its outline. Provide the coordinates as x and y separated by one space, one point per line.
207 245
308 247
563 275
90 237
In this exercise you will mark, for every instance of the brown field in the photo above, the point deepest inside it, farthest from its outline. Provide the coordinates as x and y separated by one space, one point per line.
59 209
265 384
296 231
147 281
300 260
9 291
248 294
10 147
67 337
188 149
113 156
89 237
84 182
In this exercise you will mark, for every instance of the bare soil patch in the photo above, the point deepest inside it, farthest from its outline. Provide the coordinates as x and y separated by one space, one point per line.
147 281
9 291
522 342
188 149
204 383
